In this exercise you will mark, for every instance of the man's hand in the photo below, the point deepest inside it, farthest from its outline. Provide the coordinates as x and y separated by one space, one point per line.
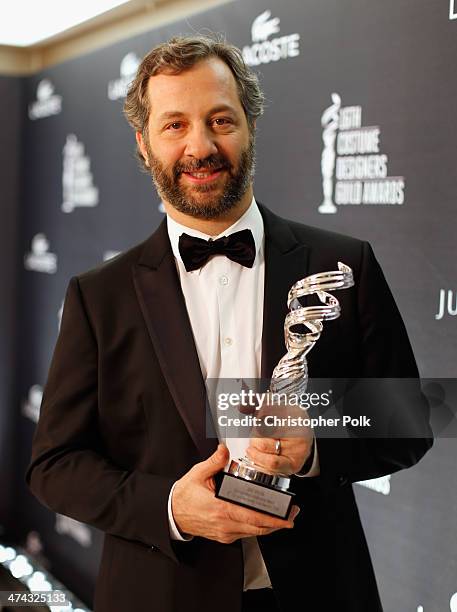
294 453
197 512
295 441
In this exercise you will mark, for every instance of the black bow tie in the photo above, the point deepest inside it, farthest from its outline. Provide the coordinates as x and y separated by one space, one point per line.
239 247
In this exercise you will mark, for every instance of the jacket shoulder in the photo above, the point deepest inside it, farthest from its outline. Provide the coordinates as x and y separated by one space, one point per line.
319 237
311 236
326 246
113 269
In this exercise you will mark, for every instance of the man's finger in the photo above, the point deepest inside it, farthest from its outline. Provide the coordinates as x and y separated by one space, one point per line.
254 529
274 463
257 519
266 445
215 462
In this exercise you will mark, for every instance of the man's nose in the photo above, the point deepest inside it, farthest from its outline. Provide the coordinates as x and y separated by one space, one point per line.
200 142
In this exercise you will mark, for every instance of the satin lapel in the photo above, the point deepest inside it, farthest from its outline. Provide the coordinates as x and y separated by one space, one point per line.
286 261
162 303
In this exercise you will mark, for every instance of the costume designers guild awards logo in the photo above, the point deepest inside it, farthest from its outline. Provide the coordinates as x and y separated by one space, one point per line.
40 259
31 406
452 9
77 179
379 485
447 304
354 171
453 603
47 102
265 50
118 88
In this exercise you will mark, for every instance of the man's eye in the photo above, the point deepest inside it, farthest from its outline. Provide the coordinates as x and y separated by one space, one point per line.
175 125
221 121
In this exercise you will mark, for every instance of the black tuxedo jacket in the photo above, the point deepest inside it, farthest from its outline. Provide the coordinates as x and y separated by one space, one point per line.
123 417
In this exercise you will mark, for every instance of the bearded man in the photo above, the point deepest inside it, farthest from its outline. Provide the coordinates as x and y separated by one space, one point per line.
121 442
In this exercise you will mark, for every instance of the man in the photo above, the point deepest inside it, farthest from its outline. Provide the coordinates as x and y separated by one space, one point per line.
121 443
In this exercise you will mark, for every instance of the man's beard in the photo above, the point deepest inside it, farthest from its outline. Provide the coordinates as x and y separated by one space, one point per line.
180 197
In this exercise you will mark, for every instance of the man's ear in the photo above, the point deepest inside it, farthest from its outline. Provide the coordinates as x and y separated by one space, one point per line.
142 147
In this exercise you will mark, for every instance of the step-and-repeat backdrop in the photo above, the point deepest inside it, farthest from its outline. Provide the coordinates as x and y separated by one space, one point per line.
358 136
11 120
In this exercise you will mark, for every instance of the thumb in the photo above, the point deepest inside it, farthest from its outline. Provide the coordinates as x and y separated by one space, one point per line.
215 462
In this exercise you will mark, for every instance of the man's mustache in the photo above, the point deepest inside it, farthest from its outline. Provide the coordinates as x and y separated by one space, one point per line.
213 162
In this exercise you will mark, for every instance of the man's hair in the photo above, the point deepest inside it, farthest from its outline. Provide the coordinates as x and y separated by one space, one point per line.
179 54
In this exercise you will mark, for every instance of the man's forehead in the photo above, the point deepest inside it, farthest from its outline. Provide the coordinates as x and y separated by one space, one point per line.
218 108
208 79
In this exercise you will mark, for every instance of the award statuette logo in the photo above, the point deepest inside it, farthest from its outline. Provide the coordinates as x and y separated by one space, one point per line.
244 483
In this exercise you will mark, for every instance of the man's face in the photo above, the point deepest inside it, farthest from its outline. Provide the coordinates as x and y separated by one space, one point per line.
198 144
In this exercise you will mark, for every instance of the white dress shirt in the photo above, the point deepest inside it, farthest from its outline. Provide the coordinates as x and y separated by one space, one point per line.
224 301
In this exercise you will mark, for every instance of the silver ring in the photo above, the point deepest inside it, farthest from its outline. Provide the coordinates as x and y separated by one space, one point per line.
278 447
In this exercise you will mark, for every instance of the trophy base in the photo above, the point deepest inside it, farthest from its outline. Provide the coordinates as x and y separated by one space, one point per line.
327 208
246 486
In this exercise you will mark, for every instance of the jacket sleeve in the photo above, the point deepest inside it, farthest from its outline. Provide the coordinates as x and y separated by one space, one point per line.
386 357
69 472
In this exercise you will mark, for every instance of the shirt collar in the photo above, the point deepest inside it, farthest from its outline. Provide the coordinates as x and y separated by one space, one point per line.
251 219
